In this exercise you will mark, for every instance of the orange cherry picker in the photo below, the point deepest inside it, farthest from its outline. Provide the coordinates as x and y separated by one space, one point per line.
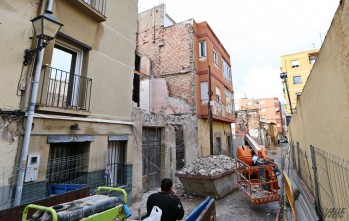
257 173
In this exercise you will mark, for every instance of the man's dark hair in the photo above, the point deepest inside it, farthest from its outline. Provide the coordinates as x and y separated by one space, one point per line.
166 184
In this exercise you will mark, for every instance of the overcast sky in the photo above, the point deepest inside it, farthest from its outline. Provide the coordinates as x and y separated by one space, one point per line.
256 33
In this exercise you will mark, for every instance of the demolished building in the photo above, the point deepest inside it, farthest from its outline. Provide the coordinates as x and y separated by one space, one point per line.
173 67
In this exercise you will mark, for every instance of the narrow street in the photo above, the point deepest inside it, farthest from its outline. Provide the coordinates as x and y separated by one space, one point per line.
234 206
118 98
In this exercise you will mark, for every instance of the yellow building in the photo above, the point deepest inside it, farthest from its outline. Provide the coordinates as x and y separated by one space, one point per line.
298 67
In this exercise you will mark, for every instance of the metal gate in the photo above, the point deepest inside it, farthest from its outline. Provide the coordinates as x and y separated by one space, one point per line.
151 151
68 163
179 148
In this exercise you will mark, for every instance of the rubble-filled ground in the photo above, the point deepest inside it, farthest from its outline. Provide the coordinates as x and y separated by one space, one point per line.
209 166
234 206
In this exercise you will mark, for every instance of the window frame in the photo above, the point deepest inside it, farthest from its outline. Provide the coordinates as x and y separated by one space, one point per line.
312 59
226 70
215 57
78 52
204 91
202 52
218 95
229 101
75 68
295 63
297 77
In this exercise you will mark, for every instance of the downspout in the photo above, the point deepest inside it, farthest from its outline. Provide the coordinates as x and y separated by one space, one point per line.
30 116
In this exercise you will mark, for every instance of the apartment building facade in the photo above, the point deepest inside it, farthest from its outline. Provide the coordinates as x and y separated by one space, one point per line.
269 110
177 83
213 73
82 121
298 67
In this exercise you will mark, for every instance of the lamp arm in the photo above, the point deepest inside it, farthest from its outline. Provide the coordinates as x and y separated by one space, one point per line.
29 53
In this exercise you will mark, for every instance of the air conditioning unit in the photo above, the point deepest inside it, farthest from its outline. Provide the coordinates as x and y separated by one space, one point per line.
31 174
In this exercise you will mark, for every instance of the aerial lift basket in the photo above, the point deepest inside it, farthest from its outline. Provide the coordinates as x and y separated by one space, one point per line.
258 182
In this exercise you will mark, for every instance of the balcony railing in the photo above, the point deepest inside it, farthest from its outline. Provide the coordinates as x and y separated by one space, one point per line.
99 5
62 89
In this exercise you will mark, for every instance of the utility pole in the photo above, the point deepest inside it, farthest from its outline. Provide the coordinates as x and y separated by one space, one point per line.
210 110
283 76
282 123
320 38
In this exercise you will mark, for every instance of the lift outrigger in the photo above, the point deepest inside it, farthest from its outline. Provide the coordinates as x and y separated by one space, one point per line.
257 173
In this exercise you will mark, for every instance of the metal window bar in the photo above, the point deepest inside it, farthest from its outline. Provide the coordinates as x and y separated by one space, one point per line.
98 5
74 169
115 169
62 89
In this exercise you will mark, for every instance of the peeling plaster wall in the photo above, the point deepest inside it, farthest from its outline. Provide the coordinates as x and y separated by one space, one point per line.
163 103
9 134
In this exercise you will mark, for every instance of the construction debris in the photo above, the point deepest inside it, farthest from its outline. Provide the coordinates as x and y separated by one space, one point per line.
209 166
258 191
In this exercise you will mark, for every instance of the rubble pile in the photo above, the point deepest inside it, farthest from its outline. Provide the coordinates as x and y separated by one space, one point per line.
209 166
178 186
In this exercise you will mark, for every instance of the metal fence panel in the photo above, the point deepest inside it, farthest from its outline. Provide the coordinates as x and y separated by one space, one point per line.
332 180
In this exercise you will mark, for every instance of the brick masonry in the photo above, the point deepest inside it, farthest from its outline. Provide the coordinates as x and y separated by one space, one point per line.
171 55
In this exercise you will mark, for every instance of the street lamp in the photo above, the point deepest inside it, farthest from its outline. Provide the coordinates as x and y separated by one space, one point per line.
283 76
46 27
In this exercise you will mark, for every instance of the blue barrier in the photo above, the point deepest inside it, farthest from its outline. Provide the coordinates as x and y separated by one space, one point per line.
58 188
193 215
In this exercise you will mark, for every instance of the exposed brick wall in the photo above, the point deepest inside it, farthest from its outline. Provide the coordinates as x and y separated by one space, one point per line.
182 86
172 50
172 58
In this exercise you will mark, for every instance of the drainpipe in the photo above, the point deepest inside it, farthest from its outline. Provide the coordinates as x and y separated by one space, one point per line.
30 116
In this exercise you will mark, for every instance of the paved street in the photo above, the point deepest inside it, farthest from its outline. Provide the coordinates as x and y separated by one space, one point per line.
234 206
237 207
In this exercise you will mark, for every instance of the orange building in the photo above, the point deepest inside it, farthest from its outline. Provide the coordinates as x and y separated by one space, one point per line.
269 110
212 64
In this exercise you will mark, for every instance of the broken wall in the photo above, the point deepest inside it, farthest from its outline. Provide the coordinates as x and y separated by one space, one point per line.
170 50
150 18
168 147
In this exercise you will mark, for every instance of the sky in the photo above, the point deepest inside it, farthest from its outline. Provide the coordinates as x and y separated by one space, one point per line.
256 33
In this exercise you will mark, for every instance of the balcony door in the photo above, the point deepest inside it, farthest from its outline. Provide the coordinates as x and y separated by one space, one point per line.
67 62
